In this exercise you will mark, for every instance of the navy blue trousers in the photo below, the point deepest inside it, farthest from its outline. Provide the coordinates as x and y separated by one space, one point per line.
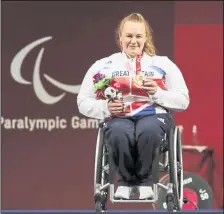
131 143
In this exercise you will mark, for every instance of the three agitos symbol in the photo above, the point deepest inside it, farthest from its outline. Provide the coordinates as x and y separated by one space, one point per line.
38 87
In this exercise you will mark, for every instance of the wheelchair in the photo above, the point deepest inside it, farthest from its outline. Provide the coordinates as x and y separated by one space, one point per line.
167 159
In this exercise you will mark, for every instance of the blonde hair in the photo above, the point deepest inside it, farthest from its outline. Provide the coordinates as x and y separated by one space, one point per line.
149 46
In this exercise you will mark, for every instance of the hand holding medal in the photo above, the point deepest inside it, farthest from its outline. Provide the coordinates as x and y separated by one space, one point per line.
146 84
149 85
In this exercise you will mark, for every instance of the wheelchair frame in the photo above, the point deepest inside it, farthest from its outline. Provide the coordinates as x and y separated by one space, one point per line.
172 164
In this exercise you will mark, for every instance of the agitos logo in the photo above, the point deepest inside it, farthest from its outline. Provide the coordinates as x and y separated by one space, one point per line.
38 87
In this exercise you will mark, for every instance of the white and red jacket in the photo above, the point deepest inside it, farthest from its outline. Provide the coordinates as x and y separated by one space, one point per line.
172 93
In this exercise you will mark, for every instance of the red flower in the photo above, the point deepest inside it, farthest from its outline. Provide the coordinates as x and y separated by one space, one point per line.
99 94
115 84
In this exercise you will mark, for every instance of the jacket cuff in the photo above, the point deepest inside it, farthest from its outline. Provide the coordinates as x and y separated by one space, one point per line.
158 93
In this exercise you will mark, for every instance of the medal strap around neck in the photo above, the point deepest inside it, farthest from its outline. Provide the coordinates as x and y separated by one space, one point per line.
138 63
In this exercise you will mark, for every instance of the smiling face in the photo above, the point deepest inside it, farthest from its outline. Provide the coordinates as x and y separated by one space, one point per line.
133 38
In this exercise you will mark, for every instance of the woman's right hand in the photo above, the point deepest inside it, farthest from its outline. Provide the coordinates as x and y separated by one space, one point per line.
115 106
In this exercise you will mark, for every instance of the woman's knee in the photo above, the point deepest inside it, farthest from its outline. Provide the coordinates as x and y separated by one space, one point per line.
115 132
149 135
116 135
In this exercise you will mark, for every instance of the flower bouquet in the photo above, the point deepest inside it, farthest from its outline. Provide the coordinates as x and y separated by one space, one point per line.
106 87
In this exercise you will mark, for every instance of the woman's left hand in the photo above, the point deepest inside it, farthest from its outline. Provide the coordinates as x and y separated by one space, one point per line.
149 85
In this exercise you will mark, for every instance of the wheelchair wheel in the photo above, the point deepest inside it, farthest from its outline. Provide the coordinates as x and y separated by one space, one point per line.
101 175
175 171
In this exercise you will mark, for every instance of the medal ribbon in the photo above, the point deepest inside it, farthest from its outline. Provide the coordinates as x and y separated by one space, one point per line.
138 63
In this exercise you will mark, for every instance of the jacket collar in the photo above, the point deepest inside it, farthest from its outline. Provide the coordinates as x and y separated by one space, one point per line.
128 57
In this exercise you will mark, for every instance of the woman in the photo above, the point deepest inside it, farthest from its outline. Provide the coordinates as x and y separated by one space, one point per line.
151 86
